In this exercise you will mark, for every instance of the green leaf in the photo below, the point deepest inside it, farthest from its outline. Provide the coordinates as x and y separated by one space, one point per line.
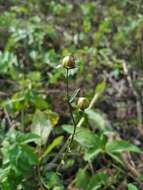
74 95
100 87
27 138
41 126
32 158
52 116
132 187
57 141
51 180
116 158
120 146
97 181
20 157
7 61
34 76
83 136
92 153
93 143
39 102
98 147
97 118
82 179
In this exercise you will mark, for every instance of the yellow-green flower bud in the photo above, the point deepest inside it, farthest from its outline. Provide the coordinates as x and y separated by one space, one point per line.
82 103
68 62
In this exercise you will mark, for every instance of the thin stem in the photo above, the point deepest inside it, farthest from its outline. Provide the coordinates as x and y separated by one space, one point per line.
8 117
70 107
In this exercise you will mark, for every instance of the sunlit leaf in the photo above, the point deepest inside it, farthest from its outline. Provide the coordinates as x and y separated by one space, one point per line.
132 187
97 118
100 87
41 126
57 141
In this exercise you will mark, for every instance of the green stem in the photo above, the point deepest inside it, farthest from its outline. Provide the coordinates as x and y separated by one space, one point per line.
70 107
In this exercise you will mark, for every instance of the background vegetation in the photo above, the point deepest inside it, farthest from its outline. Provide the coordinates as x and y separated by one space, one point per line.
106 39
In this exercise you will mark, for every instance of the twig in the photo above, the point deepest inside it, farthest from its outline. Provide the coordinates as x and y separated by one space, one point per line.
131 167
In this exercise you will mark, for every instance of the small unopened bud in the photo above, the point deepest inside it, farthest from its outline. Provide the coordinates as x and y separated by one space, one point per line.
82 103
68 62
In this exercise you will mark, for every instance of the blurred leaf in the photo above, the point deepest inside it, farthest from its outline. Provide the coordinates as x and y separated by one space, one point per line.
51 180
116 158
58 188
82 179
41 126
53 117
92 153
83 136
97 181
20 157
7 61
120 146
98 147
100 87
132 187
27 138
56 142
34 76
39 102
30 157
97 118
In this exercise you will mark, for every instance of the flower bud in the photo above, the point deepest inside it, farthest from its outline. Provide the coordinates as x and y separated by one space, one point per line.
68 62
82 103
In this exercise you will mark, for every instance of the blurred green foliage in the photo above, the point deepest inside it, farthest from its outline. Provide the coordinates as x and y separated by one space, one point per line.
35 121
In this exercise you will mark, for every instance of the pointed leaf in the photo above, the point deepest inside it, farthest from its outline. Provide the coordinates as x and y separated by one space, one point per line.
120 146
100 87
57 141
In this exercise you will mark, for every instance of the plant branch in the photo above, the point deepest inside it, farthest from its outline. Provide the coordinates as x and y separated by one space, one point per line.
70 107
